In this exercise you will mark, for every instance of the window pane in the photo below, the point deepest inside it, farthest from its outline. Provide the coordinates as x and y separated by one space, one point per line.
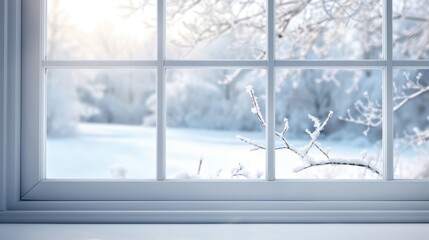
411 29
411 122
314 143
208 112
100 124
101 29
329 29
216 29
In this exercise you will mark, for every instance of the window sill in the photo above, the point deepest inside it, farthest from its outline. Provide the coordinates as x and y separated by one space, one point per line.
217 212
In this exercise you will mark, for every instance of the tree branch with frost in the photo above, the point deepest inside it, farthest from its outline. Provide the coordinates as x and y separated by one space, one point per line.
250 142
217 19
315 134
364 161
303 153
370 111
255 109
418 137
256 145
230 78
339 161
410 90
342 11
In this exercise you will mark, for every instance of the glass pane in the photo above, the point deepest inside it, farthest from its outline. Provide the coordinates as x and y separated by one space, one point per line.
208 115
216 29
328 124
329 29
101 29
101 124
411 29
411 124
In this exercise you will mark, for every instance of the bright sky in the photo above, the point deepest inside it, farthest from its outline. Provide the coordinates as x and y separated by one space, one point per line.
103 28
87 15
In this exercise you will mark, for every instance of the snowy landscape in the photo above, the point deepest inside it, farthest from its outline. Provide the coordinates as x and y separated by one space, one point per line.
103 151
101 123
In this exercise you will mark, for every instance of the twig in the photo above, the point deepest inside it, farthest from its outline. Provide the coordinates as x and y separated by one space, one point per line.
250 142
199 166
256 110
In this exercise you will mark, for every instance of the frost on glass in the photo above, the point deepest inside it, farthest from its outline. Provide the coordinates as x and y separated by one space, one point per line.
101 29
411 29
207 112
100 124
328 124
226 29
328 29
411 124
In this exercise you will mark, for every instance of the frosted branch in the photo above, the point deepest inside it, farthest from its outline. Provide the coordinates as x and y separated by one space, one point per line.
418 137
415 87
369 112
230 78
250 142
255 109
339 161
315 134
304 151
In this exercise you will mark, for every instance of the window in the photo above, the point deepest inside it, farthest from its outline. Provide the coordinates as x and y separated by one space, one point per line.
210 110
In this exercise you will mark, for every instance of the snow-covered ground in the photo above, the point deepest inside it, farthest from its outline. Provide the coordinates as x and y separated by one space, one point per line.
99 149
105 151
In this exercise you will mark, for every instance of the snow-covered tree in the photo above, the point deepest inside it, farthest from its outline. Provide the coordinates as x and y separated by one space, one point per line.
121 96
62 101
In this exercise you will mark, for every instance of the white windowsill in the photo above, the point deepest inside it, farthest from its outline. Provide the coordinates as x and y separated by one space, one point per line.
214 231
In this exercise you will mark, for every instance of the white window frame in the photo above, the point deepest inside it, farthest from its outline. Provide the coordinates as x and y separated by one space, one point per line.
28 197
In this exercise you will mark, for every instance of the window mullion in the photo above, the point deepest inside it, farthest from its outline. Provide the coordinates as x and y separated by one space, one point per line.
388 91
411 64
251 64
161 104
99 64
323 64
270 98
